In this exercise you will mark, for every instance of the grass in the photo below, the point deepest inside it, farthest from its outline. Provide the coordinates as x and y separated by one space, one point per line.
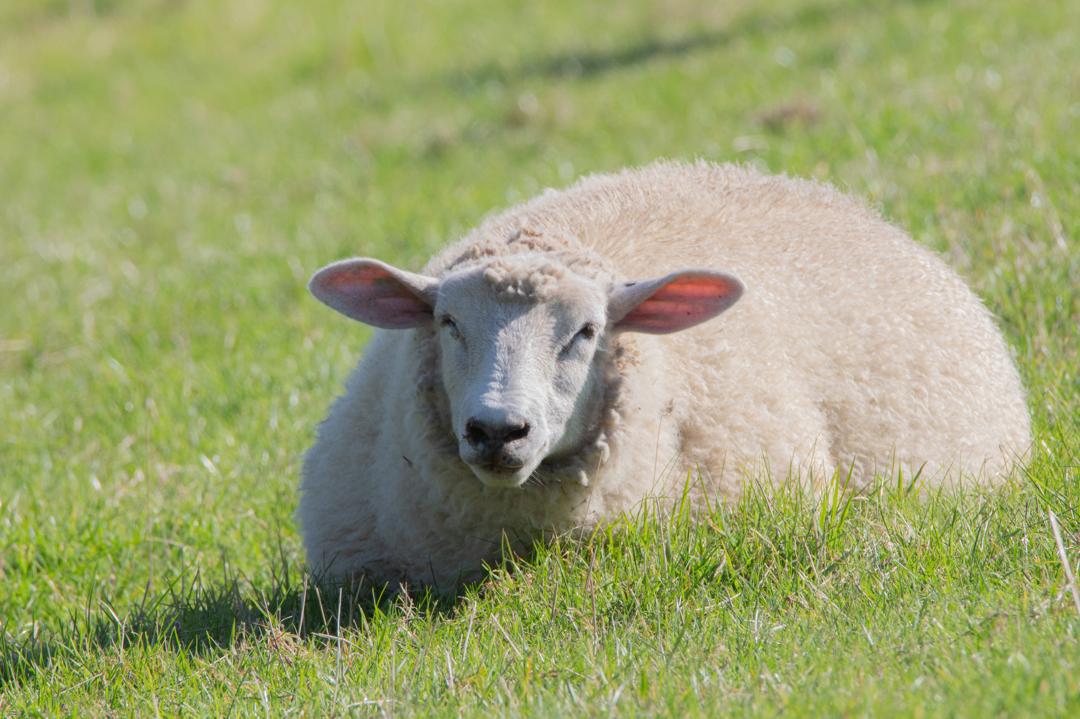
170 174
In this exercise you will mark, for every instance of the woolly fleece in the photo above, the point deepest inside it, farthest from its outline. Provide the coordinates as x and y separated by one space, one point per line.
852 347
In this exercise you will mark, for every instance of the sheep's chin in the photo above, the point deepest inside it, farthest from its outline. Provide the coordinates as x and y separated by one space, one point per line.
503 480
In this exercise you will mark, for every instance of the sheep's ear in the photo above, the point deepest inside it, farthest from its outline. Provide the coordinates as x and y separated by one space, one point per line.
673 302
376 293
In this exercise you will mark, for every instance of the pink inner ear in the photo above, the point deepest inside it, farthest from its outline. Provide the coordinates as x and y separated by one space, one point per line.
684 302
370 294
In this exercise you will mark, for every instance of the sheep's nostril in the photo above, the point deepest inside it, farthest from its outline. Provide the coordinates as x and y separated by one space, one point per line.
475 433
494 435
517 432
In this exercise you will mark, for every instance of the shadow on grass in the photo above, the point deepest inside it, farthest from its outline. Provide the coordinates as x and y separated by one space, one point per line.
207 618
727 548
586 63
593 62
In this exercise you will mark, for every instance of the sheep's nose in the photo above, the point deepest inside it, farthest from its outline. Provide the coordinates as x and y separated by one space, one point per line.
494 433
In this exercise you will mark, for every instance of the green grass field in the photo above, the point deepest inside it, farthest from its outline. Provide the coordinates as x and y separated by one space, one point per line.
172 172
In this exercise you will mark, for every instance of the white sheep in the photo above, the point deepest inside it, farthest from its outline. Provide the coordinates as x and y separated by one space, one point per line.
521 384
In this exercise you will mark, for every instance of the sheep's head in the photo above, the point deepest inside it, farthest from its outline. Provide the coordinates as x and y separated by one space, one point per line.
521 343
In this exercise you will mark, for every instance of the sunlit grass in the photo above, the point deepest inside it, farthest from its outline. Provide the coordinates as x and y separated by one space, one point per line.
170 175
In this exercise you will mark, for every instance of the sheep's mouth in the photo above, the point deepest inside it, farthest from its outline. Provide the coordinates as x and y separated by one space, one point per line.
502 476
505 469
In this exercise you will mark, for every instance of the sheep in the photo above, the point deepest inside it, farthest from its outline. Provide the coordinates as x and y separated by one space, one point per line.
555 367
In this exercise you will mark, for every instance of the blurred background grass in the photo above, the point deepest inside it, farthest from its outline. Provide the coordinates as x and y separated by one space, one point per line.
171 172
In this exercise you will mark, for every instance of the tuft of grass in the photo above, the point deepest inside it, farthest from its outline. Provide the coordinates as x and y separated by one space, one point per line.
171 173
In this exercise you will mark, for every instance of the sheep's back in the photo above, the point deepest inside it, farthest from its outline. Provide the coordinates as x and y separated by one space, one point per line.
881 337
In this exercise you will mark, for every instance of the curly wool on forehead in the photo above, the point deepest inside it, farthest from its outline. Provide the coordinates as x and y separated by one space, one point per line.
529 264
531 277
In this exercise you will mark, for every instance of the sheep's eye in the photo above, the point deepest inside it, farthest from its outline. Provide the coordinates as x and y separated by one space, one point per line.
448 322
587 332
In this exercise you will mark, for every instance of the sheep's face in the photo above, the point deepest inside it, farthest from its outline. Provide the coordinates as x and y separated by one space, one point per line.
519 340
518 366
